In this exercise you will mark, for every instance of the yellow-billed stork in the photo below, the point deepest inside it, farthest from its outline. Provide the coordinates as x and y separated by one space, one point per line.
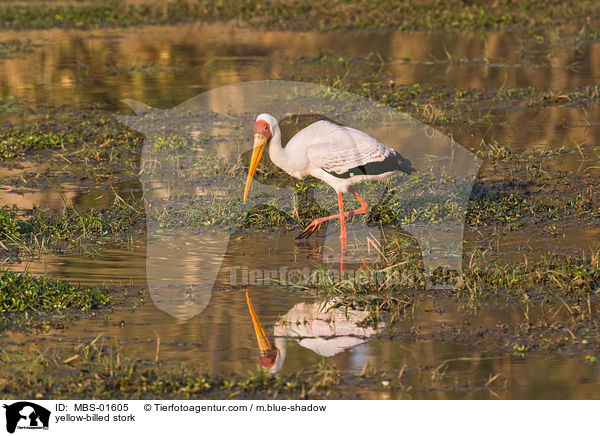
338 155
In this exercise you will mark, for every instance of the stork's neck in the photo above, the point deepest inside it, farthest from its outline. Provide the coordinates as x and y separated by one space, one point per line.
276 151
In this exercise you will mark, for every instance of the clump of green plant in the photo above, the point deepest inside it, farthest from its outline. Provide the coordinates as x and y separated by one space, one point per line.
84 134
567 280
39 230
324 56
27 301
23 292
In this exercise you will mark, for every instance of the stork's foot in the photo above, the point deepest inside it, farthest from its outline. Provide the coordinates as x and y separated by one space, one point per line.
311 228
316 224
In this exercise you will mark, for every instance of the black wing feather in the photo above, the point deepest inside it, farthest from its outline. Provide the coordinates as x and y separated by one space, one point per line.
393 162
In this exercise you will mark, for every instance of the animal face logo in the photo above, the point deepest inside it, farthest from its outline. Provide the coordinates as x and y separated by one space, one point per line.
26 415
194 167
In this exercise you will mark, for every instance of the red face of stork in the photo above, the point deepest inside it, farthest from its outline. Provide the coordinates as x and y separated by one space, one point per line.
262 135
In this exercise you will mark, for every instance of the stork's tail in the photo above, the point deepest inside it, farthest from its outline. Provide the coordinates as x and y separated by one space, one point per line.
403 164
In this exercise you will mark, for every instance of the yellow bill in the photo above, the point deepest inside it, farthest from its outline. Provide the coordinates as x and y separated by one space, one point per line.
264 345
260 141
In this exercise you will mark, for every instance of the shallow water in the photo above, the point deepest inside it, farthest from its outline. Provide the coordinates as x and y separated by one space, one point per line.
165 66
222 339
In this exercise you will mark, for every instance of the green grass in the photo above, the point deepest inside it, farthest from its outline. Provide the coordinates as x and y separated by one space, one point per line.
494 203
36 231
86 133
298 15
397 281
95 370
47 375
562 279
23 292
27 301
445 105
43 375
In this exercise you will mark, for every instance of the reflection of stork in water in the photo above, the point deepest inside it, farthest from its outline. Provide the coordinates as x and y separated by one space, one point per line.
339 156
326 331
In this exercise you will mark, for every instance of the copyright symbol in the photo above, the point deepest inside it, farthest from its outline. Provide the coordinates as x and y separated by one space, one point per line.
147 407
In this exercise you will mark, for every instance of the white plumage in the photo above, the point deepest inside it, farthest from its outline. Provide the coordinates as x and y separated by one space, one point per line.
336 148
325 150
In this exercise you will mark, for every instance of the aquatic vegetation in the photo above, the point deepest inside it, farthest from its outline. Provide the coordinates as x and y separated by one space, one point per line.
40 231
92 149
23 292
28 301
397 281
554 278
87 133
120 376
440 105
42 374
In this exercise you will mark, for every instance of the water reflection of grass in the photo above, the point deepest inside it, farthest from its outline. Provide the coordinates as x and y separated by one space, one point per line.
16 46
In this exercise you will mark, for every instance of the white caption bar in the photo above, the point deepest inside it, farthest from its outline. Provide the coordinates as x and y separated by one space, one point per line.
159 417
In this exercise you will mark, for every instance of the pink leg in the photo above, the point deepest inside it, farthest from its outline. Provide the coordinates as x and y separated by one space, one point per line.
343 236
341 215
316 224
